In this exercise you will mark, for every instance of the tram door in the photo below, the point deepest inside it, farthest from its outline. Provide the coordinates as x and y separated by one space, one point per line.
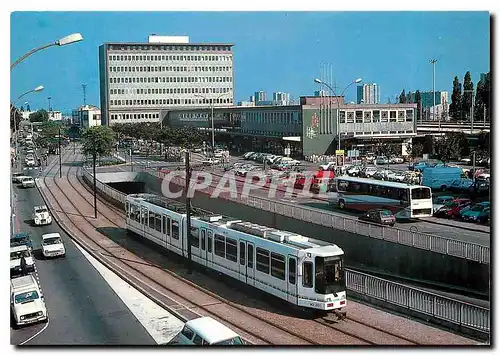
209 250
245 262
292 285
203 246
145 222
168 229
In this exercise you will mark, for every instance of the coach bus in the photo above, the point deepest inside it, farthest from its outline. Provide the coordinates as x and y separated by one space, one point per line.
363 194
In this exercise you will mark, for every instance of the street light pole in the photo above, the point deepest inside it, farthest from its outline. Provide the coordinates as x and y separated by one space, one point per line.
72 38
356 81
60 154
433 62
212 103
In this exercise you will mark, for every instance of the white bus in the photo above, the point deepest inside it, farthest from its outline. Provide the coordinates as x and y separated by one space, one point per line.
362 194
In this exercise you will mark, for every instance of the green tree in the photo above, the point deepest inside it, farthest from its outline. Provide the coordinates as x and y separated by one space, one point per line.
49 134
15 116
402 97
409 97
467 96
98 140
415 150
452 146
456 100
486 95
39 116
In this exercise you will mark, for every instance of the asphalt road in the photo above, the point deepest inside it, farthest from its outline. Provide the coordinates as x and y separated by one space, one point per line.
82 307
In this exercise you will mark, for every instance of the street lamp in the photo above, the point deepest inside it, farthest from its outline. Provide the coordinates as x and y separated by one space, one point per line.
355 81
212 102
37 89
72 38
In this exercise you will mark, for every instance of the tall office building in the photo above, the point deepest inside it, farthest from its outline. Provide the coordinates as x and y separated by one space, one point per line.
260 96
368 94
139 80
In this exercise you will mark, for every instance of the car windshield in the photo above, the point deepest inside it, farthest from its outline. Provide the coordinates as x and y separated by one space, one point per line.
18 254
50 241
232 341
451 204
41 210
385 213
26 296
478 208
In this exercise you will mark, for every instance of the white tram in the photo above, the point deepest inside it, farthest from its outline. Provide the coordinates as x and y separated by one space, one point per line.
303 271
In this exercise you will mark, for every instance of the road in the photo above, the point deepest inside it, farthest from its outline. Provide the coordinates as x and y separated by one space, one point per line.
83 309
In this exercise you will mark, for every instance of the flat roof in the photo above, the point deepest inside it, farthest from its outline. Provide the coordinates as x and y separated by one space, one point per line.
168 44
379 182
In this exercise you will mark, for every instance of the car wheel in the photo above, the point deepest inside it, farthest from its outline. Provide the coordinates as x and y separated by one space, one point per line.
342 204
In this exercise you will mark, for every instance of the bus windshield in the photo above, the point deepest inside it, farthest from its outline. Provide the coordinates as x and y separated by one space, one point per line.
329 275
420 193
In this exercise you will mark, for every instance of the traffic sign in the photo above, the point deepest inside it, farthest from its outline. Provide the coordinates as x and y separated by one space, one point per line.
339 152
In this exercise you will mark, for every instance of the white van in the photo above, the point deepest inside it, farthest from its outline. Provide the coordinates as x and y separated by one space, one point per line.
206 331
26 301
16 253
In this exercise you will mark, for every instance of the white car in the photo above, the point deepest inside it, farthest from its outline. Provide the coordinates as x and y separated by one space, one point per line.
369 171
52 245
26 301
206 331
210 161
41 215
16 177
16 253
30 162
27 181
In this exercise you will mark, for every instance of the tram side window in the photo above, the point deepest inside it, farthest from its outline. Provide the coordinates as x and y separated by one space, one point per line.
144 216
203 241
195 237
220 245
175 229
262 260
127 209
209 249
231 249
250 256
307 274
278 266
292 267
164 220
169 222
158 222
242 253
152 220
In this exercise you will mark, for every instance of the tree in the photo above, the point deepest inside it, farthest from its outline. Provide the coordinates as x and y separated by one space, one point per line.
456 100
97 140
415 149
467 96
402 97
418 101
409 97
452 146
39 116
48 137
15 116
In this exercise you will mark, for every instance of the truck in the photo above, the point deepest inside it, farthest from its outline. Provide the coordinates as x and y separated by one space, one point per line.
440 178
26 301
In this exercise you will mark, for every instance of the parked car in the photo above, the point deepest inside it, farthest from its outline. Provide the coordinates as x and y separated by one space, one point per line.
381 160
16 253
16 177
462 186
369 171
26 301
21 238
476 212
440 201
206 331
380 216
452 208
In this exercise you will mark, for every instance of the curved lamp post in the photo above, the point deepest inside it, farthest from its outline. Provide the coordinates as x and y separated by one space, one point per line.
355 81
72 38
37 89
212 102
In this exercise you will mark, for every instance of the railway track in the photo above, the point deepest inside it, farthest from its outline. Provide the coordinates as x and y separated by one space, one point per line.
355 331
266 333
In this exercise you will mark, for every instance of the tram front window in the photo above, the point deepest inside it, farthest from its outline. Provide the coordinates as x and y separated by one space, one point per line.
329 275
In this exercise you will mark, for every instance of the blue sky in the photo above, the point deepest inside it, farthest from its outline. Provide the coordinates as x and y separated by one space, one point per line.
274 51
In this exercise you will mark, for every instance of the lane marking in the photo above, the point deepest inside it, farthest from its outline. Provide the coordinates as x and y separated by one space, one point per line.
38 333
160 324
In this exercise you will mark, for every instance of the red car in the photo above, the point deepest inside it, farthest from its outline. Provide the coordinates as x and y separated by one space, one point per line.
452 208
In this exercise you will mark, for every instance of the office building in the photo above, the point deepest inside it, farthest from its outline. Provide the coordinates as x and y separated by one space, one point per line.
308 128
281 98
260 96
138 80
320 93
86 116
368 94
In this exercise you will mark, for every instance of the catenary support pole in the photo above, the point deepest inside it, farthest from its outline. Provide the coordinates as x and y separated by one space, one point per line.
60 155
95 189
188 210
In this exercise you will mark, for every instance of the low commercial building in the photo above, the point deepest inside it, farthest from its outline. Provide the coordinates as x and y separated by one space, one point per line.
308 128
86 116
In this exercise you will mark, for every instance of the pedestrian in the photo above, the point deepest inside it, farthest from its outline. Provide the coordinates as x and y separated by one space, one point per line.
24 268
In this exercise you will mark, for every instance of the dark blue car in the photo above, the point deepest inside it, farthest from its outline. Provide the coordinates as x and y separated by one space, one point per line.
21 239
